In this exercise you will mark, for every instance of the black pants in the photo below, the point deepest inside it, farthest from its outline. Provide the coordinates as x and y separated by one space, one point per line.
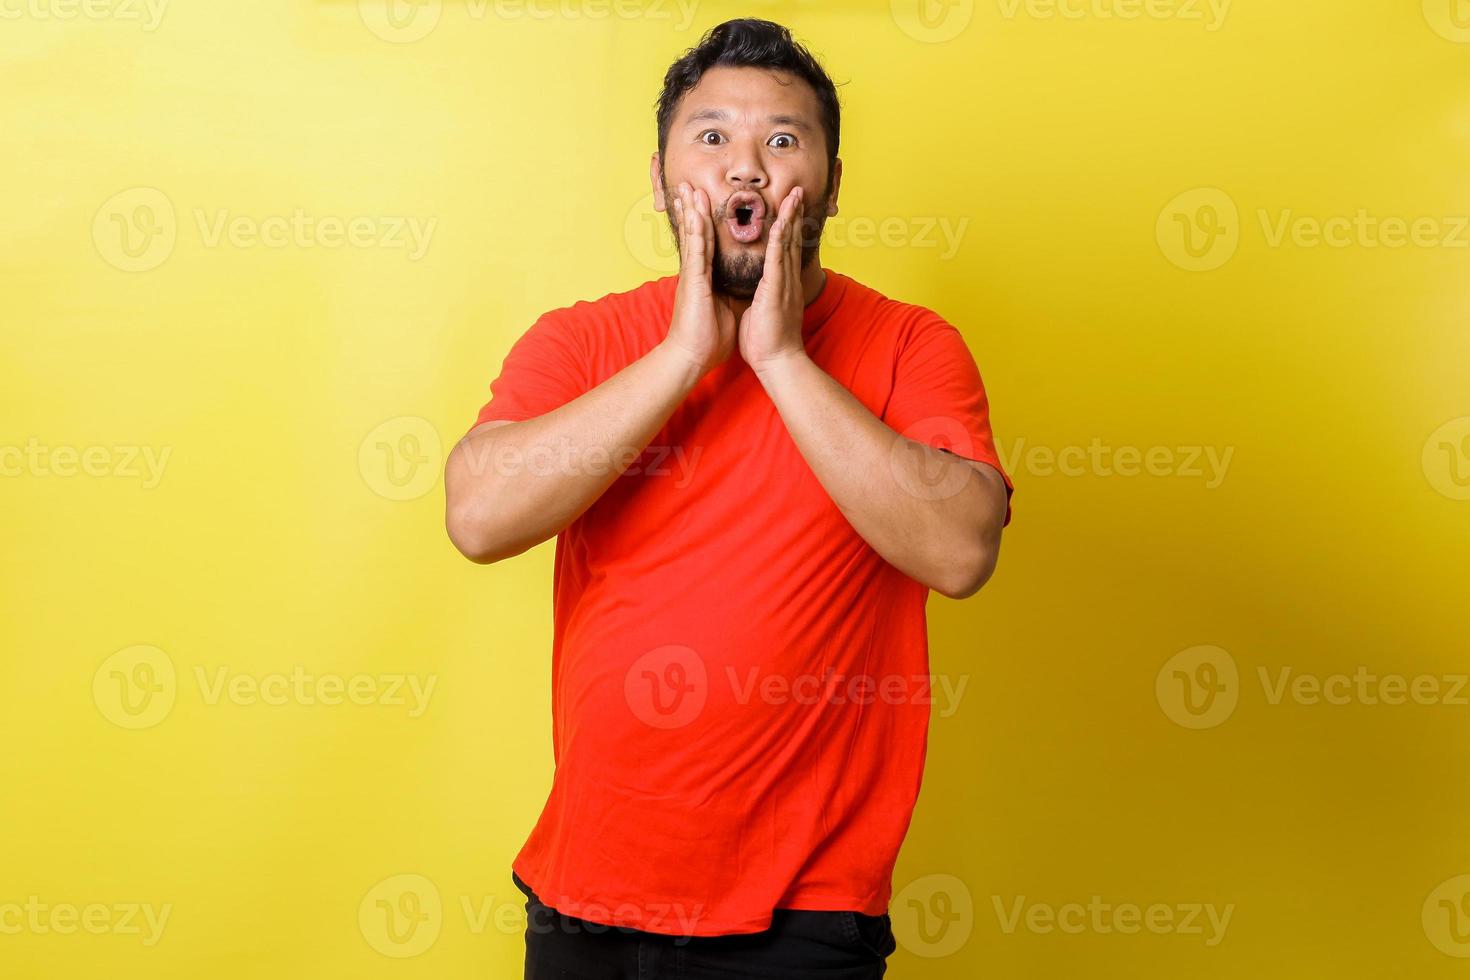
799 945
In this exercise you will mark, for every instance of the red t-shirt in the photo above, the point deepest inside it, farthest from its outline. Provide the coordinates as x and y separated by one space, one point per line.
740 683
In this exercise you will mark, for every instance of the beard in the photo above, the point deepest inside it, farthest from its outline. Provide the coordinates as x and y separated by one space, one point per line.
737 273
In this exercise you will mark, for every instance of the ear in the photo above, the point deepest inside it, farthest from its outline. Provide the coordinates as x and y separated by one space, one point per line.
836 186
659 204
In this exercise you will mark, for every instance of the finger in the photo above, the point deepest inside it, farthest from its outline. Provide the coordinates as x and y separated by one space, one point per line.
793 249
706 225
798 230
777 246
793 221
688 203
682 220
694 230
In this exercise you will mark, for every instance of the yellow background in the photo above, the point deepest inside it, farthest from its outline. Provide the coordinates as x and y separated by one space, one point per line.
284 381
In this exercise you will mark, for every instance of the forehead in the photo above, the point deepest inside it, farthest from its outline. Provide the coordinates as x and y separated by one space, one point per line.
750 92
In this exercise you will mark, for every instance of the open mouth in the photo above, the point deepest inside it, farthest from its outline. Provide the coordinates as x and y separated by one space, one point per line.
747 216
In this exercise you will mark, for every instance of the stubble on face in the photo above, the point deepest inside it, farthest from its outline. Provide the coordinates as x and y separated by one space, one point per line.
737 274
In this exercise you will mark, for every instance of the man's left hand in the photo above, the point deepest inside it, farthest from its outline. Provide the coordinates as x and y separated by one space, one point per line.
770 330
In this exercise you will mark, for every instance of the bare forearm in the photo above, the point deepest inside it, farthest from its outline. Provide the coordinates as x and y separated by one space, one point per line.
512 486
928 513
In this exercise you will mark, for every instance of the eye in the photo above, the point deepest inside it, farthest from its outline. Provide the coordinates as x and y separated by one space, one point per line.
703 137
790 141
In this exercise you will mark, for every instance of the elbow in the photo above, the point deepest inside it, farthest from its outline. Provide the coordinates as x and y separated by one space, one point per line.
472 519
965 576
468 539
473 535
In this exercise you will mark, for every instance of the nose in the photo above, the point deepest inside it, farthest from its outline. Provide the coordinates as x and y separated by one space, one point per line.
745 170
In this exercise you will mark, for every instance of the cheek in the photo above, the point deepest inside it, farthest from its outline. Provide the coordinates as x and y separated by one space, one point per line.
807 178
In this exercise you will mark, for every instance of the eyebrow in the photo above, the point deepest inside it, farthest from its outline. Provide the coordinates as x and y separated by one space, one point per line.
720 115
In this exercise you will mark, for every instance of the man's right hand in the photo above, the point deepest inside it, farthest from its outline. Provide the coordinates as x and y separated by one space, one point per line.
703 325
493 511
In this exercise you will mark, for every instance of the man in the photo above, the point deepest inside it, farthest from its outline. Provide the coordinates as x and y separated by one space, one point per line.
756 470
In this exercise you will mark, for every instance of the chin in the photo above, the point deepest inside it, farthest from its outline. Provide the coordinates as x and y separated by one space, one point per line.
740 280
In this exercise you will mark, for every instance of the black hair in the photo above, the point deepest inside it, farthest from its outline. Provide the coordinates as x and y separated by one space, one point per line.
750 43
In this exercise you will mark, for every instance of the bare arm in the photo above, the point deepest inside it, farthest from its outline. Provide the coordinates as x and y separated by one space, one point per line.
511 485
933 515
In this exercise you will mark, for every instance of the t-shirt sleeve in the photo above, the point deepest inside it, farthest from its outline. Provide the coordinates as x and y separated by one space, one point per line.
543 370
938 398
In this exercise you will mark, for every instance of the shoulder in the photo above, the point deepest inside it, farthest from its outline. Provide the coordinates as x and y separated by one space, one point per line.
614 320
907 323
607 333
615 304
